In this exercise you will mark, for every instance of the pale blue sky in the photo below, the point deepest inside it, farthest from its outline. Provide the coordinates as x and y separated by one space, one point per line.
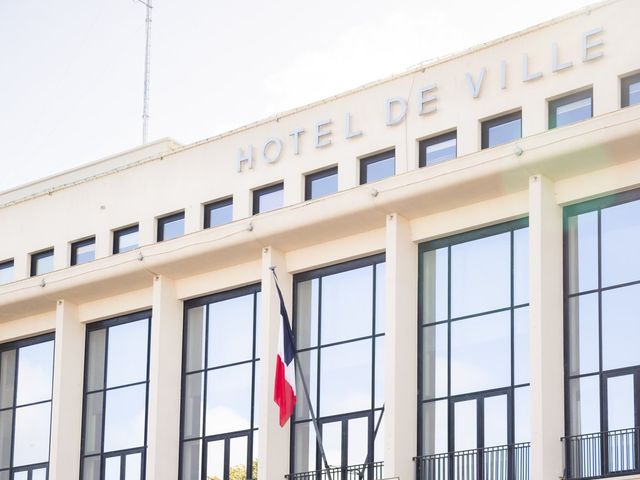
72 70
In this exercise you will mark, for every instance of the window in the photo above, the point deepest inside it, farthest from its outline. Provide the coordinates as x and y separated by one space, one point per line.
26 384
377 167
218 213
268 198
83 251
339 330
602 300
125 239
171 226
571 109
474 350
438 149
6 272
41 262
114 438
220 385
321 183
504 129
630 90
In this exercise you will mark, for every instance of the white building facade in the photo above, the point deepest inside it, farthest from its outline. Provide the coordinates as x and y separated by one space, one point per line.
457 247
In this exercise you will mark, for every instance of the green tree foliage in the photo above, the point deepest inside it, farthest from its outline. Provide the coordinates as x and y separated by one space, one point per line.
239 472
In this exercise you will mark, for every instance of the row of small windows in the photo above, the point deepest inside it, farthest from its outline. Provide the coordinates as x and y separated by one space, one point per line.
433 150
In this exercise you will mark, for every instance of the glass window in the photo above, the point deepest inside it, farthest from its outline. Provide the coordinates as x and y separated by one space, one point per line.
438 149
571 109
218 213
125 239
630 90
115 398
474 345
377 167
83 251
340 344
6 272
26 382
269 198
221 364
503 129
321 183
171 226
41 262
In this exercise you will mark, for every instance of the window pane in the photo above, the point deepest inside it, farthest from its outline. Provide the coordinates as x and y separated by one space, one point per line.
31 442
35 373
127 355
6 425
440 152
584 405
466 421
195 338
573 112
634 93
6 272
521 345
171 228
215 460
228 399
231 331
39 474
583 252
435 421
93 423
238 456
191 460
84 253
381 297
620 240
95 361
307 314
481 275
126 239
7 377
620 402
435 349
357 449
495 421
332 442
521 266
193 405
436 285
270 200
583 334
133 467
620 327
309 367
480 353
43 263
125 418
379 373
383 168
112 468
323 185
219 213
504 132
305 447
522 415
347 305
91 468
345 378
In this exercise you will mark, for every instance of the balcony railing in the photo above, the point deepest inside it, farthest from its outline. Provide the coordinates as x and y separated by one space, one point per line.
602 454
367 471
506 462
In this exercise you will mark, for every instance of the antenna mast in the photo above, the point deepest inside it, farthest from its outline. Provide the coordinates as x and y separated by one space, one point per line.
147 73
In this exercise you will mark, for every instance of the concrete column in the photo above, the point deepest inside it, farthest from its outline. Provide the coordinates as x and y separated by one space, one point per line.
400 387
273 450
164 381
66 413
546 330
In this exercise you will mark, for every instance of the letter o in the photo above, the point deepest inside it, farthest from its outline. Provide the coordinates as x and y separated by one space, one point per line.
275 156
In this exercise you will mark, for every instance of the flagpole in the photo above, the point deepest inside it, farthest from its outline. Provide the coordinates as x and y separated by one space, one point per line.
305 388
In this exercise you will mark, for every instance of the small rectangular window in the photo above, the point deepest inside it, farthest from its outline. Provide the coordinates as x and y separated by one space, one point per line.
268 198
438 149
83 251
504 129
41 262
321 183
630 90
6 272
570 109
125 239
171 226
218 213
377 167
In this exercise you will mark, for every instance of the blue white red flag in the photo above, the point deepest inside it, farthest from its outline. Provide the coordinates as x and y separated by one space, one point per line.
284 392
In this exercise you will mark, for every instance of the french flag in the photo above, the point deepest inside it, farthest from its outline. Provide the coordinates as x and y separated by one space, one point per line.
284 391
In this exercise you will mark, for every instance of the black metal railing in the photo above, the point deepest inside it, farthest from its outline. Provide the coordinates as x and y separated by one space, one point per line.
367 471
506 462
602 454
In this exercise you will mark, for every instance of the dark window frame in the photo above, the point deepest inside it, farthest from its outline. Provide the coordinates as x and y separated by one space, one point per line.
209 207
625 84
205 301
427 142
311 177
8 264
372 261
78 244
35 257
164 220
117 234
16 345
106 324
378 157
566 100
487 125
259 192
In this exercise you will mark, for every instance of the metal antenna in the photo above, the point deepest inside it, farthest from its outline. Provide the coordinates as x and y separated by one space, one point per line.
147 73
